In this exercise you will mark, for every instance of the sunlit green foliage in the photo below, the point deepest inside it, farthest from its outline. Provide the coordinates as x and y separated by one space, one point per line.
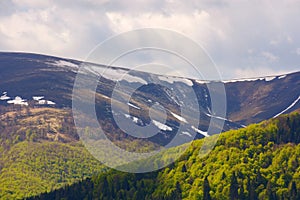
31 168
39 152
261 161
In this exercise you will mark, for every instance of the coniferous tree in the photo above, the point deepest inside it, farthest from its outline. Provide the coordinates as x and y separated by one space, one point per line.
293 191
183 169
105 187
234 187
176 194
242 193
139 194
206 189
251 189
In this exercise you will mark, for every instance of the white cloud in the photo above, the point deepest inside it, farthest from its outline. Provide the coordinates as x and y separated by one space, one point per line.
51 29
285 38
274 42
236 34
257 72
32 3
298 51
269 56
289 39
196 24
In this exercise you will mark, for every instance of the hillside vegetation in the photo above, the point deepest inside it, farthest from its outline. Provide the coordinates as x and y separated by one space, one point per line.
261 161
40 152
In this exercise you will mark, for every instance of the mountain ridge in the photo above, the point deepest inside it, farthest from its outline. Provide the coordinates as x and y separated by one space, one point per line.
52 77
252 78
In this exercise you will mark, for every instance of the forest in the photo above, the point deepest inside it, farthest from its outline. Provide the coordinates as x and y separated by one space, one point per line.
40 152
261 161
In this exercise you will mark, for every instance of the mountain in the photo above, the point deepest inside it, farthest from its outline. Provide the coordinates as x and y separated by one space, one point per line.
30 76
261 161
39 140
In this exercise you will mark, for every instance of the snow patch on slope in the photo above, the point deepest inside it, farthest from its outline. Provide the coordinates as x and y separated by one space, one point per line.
289 107
40 100
134 119
281 77
201 132
243 80
202 81
270 78
63 63
37 98
46 102
186 133
133 106
175 79
115 74
4 96
162 126
217 117
179 117
18 101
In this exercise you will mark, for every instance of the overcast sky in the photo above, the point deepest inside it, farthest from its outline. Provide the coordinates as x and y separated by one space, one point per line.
244 38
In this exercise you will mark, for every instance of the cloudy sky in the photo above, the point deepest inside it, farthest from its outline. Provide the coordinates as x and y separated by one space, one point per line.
244 38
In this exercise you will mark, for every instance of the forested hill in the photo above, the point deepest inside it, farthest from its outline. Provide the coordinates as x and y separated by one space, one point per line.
261 161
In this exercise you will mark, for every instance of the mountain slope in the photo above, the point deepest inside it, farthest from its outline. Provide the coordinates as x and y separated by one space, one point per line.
248 101
260 99
261 161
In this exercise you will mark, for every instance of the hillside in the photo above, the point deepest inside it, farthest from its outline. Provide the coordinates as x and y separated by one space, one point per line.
261 161
40 152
